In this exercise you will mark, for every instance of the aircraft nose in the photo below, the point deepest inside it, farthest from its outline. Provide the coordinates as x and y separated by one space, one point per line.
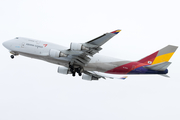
7 44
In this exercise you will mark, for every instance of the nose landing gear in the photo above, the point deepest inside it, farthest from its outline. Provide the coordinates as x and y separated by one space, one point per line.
12 56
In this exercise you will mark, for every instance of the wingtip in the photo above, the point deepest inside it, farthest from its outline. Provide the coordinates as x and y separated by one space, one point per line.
116 31
123 78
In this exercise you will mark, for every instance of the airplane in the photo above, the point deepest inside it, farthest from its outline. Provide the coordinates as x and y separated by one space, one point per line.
82 58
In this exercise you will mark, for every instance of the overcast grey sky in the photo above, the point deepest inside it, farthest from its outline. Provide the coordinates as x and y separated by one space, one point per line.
32 89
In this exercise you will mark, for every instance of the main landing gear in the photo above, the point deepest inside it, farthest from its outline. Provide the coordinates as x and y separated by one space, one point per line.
75 70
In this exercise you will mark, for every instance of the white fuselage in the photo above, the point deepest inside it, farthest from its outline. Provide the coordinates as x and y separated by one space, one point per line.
40 50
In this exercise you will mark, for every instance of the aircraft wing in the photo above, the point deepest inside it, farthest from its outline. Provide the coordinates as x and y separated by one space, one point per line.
79 52
89 75
103 38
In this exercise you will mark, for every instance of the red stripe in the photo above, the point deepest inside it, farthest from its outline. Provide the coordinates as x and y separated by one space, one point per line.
114 31
126 68
149 59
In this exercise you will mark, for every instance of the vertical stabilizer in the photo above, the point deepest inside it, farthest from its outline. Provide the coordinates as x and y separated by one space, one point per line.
163 55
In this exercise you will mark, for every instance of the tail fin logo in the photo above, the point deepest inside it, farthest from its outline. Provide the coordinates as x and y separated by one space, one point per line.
149 62
44 45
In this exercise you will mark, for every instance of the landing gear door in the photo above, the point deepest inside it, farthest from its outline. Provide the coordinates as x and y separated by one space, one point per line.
23 45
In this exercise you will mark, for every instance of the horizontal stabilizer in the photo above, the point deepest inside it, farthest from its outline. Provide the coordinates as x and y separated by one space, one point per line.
159 67
164 75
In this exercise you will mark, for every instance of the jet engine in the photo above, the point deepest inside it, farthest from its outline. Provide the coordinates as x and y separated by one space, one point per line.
89 77
56 53
78 47
63 70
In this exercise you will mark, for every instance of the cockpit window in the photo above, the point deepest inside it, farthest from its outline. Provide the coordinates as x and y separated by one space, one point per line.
16 38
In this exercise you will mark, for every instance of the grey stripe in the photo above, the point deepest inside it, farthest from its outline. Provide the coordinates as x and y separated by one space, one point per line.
167 49
105 66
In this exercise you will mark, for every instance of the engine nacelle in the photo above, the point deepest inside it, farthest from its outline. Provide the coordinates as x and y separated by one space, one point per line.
63 70
89 77
56 53
78 47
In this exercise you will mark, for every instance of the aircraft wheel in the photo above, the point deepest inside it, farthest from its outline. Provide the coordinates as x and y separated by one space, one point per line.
71 69
80 74
12 56
78 70
74 74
